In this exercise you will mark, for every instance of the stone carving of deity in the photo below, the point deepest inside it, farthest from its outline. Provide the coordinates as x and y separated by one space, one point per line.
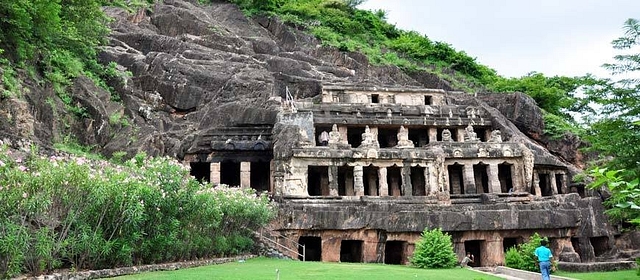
470 135
334 135
369 139
446 136
496 136
403 139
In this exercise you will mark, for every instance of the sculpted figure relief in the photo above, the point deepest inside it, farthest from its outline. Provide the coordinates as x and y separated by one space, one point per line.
403 139
470 135
496 136
334 135
369 139
446 136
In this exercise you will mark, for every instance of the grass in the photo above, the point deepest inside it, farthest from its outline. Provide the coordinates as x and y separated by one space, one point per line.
618 275
263 268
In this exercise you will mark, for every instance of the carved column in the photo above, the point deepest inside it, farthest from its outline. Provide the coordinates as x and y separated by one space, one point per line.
343 134
245 174
536 184
494 180
552 182
407 188
358 181
433 134
333 180
469 179
431 181
492 252
460 135
214 175
563 183
382 178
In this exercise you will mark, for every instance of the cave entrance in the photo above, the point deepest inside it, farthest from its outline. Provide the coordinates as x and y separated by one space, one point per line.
481 133
354 136
370 178
201 171
456 185
351 251
420 137
345 181
418 181
474 247
260 176
600 245
230 173
545 185
509 242
394 180
388 137
505 178
575 242
394 252
312 250
318 180
559 182
481 177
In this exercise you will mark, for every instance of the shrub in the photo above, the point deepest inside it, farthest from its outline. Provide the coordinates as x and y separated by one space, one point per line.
75 212
522 257
434 250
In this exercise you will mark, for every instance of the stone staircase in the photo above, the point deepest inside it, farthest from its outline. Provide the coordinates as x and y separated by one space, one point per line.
274 245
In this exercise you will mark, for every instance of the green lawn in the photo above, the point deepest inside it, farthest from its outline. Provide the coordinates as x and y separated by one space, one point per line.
263 268
617 275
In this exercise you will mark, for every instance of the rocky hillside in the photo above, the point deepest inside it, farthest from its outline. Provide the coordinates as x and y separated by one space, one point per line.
194 68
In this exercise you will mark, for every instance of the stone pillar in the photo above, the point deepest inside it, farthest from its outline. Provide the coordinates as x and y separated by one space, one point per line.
343 134
494 180
358 181
536 184
492 252
458 248
430 179
469 179
333 180
552 182
214 175
517 176
369 251
330 249
564 183
433 134
382 179
407 188
245 174
460 135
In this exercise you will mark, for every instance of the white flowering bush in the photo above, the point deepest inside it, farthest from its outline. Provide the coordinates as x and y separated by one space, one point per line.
85 214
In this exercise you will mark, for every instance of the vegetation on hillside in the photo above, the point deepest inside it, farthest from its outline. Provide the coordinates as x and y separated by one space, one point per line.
74 212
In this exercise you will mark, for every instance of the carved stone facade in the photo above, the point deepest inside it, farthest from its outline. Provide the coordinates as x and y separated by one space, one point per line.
359 175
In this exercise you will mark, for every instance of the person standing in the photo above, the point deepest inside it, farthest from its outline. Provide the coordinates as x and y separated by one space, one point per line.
544 259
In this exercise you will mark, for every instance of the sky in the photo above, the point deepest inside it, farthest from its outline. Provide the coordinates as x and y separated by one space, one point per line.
515 37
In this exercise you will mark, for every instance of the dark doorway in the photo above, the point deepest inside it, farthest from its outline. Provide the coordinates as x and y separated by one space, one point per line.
481 133
345 181
370 178
417 181
509 242
559 182
545 185
230 173
201 171
318 180
394 180
456 185
388 137
481 177
454 134
428 100
474 247
375 98
354 136
260 176
312 250
600 245
394 252
420 137
504 175
575 242
351 251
